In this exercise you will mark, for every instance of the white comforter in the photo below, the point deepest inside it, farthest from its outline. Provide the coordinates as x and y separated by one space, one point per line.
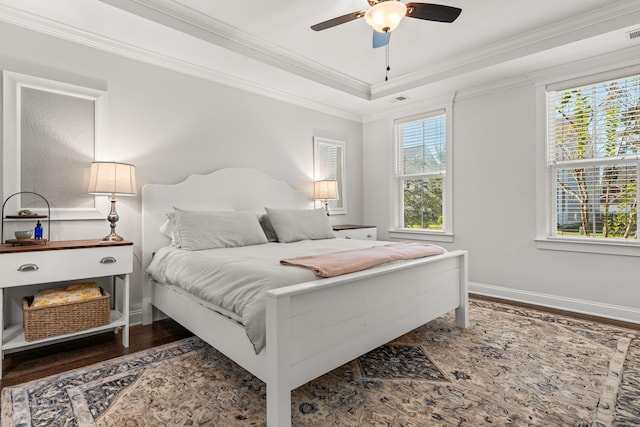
235 279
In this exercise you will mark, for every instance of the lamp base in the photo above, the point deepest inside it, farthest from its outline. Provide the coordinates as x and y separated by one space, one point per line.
112 218
113 237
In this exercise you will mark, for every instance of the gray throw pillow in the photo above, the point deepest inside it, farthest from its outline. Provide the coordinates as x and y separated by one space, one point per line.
217 229
292 225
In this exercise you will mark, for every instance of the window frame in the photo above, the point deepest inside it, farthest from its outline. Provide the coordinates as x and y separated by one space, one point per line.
336 207
545 181
397 231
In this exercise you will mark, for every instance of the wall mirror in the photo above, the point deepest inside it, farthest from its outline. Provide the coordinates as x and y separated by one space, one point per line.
329 161
50 134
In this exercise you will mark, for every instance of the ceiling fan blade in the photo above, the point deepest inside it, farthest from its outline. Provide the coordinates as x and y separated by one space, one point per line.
380 39
433 12
337 21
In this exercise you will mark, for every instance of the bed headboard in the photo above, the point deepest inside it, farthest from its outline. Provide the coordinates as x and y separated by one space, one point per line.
232 188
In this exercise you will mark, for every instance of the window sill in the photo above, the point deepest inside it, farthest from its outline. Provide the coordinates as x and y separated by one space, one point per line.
589 246
421 235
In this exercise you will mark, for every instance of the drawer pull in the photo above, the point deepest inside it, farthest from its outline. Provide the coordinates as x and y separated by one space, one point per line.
28 267
347 237
369 236
108 260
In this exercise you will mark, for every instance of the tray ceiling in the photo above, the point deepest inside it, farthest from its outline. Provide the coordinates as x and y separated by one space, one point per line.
269 47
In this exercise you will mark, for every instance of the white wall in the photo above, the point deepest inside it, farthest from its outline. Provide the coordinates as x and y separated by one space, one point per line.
171 125
494 155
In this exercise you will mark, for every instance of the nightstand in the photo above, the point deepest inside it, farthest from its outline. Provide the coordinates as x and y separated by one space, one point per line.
63 261
354 231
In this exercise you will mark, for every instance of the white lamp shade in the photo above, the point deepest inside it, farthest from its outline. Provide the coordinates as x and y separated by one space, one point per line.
112 178
326 190
386 15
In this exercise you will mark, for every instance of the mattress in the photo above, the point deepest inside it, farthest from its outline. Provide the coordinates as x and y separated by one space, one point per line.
235 280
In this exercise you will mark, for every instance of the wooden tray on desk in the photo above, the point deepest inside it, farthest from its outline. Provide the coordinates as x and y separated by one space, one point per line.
23 242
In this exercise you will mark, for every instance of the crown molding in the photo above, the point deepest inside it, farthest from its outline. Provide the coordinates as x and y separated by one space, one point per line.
493 87
205 27
433 102
193 22
451 98
86 38
625 13
580 27
622 60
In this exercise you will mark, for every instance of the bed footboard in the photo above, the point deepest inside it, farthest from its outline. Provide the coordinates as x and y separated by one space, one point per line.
314 327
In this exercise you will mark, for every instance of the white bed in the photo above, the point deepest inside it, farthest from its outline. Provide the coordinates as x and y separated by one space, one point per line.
313 327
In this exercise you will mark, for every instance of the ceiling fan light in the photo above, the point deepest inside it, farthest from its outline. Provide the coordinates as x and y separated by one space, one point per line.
386 15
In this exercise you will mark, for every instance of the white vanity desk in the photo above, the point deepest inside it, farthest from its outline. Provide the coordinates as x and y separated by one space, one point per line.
63 261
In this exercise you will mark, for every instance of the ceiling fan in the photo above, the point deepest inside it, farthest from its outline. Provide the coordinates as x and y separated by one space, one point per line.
385 16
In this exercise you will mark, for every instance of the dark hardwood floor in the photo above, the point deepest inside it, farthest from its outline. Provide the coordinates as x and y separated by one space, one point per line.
52 359
587 317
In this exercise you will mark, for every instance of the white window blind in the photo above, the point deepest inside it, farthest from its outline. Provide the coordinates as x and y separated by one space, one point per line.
328 167
329 164
420 171
593 152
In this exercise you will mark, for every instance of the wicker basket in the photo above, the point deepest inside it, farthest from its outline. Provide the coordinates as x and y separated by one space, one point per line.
60 319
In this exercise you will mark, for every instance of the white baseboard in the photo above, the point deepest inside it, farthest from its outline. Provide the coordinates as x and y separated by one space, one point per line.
626 314
135 317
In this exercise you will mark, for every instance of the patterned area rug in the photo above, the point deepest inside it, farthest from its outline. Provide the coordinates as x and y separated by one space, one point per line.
513 367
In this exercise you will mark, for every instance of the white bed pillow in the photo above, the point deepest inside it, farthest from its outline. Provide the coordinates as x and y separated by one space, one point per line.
169 229
292 225
217 229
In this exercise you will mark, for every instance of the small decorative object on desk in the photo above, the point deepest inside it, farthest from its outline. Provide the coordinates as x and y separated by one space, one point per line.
22 235
37 233
26 237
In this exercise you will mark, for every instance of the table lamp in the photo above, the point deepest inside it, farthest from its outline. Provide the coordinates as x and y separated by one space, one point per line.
112 179
326 190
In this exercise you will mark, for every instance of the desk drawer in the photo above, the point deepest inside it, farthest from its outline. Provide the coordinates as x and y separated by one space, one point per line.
26 268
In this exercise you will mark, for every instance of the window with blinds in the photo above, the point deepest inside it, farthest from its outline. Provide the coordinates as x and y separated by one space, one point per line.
328 164
421 170
329 158
593 152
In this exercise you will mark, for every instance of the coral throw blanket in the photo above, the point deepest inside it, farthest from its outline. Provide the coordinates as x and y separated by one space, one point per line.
337 263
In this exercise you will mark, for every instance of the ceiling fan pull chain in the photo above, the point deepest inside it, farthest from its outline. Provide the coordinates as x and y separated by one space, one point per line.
386 75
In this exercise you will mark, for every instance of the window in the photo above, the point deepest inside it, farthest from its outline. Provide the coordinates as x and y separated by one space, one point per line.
422 180
592 161
329 158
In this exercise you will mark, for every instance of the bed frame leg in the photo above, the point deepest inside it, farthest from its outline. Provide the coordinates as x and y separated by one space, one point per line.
462 312
462 316
278 390
278 406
